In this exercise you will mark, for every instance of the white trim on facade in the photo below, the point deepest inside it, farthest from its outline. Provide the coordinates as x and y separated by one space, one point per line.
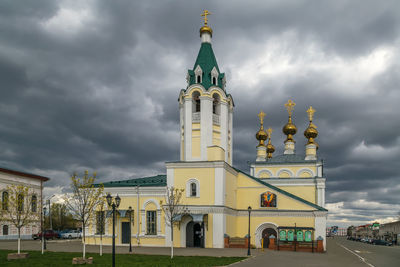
188 187
305 170
284 170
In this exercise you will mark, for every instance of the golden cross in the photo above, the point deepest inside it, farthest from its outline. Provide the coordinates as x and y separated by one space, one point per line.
204 14
290 106
261 115
269 131
310 112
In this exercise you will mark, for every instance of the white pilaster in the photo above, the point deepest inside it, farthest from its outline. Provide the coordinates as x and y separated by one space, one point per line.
206 125
320 229
321 192
219 186
230 123
158 222
181 124
188 128
219 228
224 128
143 213
170 177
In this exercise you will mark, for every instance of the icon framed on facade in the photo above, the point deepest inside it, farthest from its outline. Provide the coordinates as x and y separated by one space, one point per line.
282 235
300 236
290 235
307 236
268 199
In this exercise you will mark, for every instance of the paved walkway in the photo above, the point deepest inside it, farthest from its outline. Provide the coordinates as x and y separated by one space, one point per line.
76 246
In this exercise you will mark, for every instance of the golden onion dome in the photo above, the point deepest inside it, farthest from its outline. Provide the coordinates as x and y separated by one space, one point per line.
311 132
261 136
289 129
270 148
204 29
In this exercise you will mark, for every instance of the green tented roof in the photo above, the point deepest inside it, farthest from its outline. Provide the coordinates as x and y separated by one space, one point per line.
158 180
283 191
207 61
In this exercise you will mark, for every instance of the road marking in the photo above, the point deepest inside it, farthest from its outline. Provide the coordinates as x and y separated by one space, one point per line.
361 258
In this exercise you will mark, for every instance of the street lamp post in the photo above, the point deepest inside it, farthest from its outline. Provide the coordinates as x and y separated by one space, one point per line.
248 243
114 205
43 230
130 229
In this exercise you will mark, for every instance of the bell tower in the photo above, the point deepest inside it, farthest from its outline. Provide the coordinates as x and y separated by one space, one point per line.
206 109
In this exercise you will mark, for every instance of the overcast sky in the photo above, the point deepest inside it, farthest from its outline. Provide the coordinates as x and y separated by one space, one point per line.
94 85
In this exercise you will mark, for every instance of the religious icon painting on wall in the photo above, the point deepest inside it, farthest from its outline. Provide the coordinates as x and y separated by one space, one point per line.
268 199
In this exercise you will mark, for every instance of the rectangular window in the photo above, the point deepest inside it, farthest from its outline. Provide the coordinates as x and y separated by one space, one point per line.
100 222
151 222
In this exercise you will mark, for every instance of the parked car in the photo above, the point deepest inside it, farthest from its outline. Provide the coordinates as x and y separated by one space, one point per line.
381 242
71 234
48 234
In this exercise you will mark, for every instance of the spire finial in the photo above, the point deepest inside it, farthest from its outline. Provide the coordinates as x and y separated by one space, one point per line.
205 14
261 115
290 106
310 112
269 131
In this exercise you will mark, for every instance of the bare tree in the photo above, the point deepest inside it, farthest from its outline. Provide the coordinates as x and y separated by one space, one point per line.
172 208
85 197
20 208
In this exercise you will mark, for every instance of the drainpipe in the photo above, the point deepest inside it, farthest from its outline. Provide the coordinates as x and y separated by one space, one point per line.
138 216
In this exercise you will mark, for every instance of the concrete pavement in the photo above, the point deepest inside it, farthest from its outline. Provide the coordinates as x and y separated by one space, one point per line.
341 252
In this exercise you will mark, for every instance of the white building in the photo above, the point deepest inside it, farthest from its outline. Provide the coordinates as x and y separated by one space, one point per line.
33 182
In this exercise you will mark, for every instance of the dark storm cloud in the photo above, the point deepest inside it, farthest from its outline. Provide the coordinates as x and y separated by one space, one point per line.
94 85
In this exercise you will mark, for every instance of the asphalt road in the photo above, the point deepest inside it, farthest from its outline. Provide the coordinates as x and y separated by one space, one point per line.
341 252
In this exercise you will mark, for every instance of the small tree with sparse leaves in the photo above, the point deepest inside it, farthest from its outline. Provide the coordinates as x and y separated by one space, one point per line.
82 203
172 209
20 208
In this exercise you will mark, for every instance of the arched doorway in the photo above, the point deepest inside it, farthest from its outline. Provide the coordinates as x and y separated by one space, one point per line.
266 233
194 235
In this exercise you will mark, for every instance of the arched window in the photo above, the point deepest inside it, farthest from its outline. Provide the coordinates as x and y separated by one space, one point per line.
4 200
34 203
214 81
20 203
196 101
216 104
193 190
5 229
198 79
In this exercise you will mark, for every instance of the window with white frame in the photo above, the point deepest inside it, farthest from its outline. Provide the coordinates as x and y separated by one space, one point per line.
192 188
151 222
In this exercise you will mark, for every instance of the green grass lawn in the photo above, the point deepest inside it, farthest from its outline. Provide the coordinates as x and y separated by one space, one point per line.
65 259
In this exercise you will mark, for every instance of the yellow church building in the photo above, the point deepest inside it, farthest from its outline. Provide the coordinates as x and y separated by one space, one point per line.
286 193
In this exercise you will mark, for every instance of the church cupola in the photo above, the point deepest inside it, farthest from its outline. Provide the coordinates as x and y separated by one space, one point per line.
311 133
261 136
205 70
206 110
289 129
270 147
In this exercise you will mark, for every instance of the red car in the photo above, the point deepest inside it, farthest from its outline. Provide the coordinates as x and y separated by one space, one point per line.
48 234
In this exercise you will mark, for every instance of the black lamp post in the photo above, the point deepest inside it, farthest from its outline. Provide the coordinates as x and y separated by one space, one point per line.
130 228
114 205
43 230
248 244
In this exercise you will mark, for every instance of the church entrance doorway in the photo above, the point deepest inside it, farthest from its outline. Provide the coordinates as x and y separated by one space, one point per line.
266 233
194 235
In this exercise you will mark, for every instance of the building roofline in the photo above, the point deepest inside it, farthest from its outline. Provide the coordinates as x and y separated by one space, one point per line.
25 174
282 191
